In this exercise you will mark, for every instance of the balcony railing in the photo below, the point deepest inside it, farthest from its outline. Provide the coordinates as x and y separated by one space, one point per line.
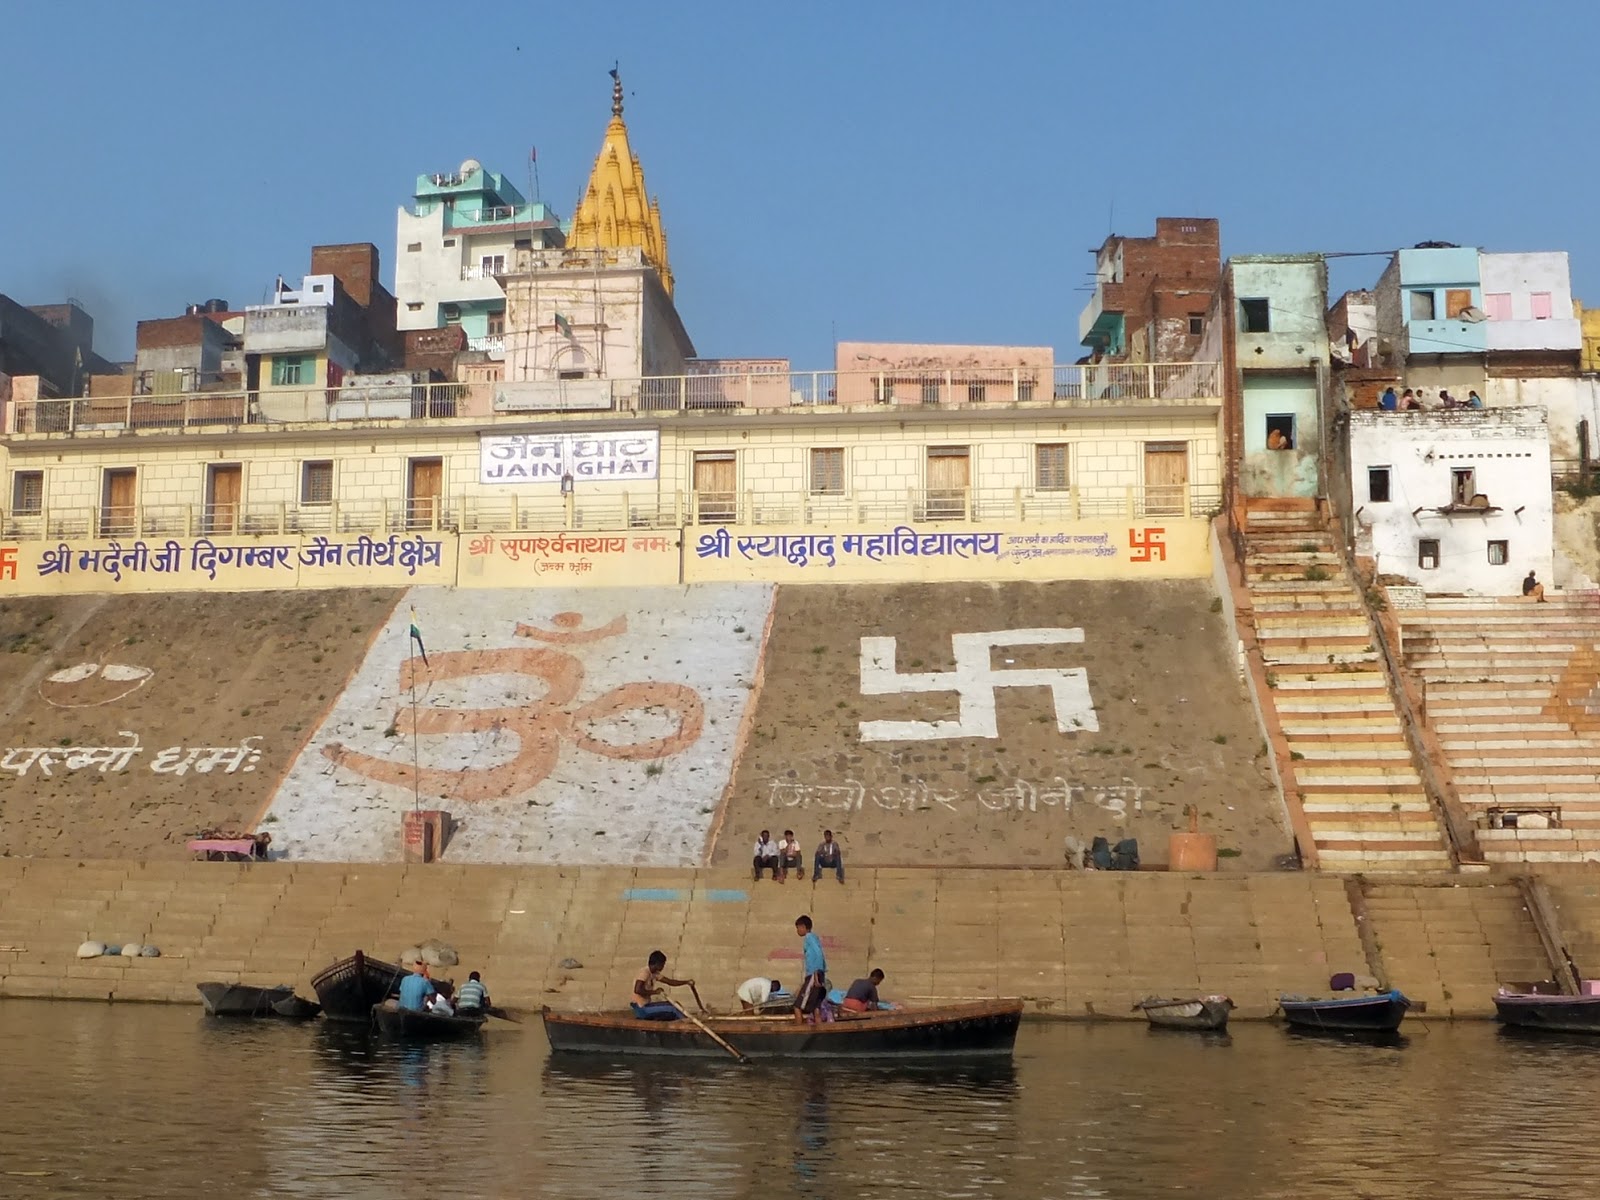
1141 386
482 270
492 344
474 513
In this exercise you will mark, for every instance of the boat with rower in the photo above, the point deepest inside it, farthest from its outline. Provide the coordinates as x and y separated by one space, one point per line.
413 1025
984 1027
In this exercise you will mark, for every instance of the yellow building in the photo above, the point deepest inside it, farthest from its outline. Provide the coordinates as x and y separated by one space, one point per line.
1589 320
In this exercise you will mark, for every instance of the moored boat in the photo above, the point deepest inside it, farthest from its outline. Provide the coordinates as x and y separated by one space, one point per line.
979 1028
293 1008
415 1026
1380 1013
1545 1007
350 987
1195 1012
239 1000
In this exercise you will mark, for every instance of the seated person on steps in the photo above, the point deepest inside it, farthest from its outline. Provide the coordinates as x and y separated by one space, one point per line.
766 855
790 857
828 858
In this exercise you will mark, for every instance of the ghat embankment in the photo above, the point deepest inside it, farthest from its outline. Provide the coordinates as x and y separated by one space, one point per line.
1072 944
608 755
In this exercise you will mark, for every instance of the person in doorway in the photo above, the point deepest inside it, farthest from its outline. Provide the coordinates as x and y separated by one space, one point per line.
473 996
1531 587
828 857
814 989
766 857
647 986
754 993
1388 402
790 857
416 989
862 995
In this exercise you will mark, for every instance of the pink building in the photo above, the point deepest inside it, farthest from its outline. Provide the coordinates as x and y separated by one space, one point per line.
912 373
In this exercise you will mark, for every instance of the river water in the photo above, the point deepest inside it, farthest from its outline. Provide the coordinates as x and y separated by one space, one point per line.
139 1101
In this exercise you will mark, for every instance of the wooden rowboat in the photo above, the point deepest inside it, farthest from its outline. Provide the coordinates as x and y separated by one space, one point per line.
238 1000
1380 1013
1195 1012
1543 1007
979 1028
414 1026
295 1009
350 987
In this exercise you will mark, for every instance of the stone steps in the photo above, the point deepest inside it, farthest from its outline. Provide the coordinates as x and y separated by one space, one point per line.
1350 764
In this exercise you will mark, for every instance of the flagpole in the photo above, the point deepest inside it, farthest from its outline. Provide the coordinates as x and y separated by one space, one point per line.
416 750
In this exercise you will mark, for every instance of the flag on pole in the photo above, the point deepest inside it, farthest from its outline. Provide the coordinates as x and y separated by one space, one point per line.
563 325
416 636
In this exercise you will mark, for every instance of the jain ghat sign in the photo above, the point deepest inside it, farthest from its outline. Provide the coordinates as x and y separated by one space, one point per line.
526 458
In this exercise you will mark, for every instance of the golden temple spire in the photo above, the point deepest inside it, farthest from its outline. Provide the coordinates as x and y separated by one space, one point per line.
615 211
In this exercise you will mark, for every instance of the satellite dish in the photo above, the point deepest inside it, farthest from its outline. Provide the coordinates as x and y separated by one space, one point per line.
470 167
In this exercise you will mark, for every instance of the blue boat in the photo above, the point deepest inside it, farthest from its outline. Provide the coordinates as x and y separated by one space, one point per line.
1380 1013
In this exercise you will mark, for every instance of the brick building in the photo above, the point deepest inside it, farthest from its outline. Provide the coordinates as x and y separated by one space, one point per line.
1151 294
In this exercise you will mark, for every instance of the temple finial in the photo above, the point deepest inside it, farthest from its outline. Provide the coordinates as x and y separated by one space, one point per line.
616 90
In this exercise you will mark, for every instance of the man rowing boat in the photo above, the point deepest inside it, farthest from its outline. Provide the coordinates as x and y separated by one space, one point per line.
645 989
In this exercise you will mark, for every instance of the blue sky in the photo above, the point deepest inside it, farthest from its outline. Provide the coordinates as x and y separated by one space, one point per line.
901 171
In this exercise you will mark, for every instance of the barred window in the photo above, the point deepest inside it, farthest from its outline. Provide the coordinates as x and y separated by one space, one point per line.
1050 461
27 493
316 482
827 471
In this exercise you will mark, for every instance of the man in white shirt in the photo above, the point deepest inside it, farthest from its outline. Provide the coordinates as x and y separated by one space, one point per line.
753 993
790 856
766 858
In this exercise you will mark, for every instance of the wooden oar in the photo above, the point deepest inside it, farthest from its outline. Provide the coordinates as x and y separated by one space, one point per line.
707 1030
696 993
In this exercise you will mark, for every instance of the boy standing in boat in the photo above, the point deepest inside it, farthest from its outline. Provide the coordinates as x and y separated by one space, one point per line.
645 989
815 988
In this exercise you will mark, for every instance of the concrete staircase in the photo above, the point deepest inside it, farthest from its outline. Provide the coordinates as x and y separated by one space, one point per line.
1453 946
1512 691
1351 765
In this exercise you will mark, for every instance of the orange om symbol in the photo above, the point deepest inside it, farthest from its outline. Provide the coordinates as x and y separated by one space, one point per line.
539 727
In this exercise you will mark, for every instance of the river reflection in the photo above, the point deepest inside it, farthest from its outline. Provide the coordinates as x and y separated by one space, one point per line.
136 1101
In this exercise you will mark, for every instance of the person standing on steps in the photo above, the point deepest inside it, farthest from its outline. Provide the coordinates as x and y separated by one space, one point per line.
828 858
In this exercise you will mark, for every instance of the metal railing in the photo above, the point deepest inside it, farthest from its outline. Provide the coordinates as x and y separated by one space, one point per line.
1143 385
478 512
483 270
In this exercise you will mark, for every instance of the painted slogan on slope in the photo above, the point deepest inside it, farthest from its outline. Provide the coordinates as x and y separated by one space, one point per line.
563 725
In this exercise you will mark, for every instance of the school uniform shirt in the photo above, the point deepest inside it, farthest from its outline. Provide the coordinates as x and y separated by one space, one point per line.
766 849
755 991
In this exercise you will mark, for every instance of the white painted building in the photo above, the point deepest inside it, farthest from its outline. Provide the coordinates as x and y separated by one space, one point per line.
461 235
1456 501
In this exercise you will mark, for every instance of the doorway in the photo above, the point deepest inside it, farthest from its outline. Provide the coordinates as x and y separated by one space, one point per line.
224 485
716 486
949 476
1166 478
118 492
423 491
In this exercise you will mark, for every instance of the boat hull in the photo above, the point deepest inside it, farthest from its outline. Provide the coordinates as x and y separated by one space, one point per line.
985 1028
1358 1014
1557 1014
350 987
1199 1014
397 1022
238 1000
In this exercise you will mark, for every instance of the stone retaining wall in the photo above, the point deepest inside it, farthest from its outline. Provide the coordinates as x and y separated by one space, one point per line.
1072 944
